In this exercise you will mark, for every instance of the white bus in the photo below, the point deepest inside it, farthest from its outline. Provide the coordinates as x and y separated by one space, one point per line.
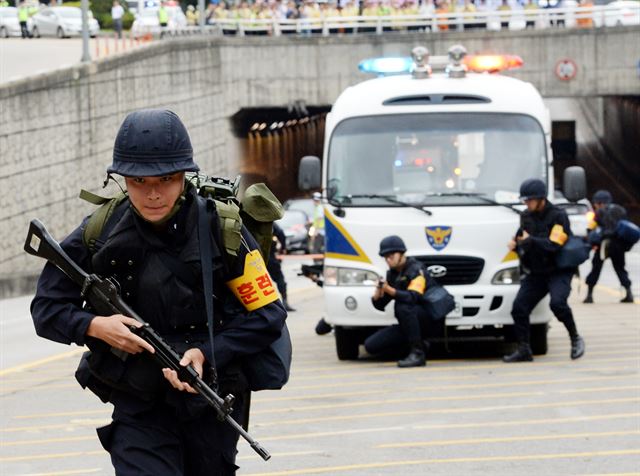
436 158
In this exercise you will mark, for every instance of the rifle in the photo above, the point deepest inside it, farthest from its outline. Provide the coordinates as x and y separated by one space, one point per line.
102 295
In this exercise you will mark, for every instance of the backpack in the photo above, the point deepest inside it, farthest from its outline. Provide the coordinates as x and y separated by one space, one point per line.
257 211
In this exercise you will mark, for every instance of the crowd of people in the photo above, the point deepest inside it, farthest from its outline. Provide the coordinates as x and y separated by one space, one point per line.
316 11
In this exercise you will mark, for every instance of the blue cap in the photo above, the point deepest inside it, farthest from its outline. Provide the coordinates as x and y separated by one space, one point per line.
151 143
391 244
533 188
602 196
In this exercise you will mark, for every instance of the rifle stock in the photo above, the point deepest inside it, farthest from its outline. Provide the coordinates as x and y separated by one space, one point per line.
105 299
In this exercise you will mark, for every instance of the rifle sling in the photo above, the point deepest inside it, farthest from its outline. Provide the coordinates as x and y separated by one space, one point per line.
204 239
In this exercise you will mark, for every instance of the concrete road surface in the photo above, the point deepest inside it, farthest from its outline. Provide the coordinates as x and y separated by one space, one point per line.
470 415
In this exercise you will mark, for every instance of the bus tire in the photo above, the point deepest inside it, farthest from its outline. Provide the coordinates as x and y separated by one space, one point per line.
347 343
539 338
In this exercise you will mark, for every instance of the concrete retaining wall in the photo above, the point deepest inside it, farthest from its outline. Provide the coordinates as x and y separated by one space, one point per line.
57 129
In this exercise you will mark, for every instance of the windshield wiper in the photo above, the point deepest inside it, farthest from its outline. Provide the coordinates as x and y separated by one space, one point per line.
478 195
388 198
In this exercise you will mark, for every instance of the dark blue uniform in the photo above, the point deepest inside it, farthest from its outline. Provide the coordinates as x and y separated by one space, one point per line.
607 218
548 229
408 309
161 431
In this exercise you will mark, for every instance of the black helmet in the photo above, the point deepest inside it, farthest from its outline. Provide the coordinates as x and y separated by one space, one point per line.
391 244
533 188
150 143
602 196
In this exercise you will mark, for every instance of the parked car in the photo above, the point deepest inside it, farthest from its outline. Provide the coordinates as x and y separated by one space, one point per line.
304 204
147 21
62 22
295 224
9 24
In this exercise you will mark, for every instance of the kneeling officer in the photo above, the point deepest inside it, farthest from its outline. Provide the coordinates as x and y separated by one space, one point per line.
544 229
405 283
150 246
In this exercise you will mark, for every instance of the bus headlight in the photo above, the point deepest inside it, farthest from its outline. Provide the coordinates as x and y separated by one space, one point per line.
507 276
334 276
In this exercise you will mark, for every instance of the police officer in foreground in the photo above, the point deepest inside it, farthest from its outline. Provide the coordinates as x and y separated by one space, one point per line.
544 229
160 426
405 284
608 215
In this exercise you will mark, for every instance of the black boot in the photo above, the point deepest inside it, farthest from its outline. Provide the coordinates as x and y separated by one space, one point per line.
629 296
522 354
416 358
589 298
287 307
322 327
577 347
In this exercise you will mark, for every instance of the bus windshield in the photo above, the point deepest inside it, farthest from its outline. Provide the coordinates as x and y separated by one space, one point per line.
434 159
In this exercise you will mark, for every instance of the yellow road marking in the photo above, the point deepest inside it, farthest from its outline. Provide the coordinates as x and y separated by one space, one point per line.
36 363
479 459
439 398
437 367
57 414
494 408
297 372
397 400
72 454
69 425
49 440
480 424
70 472
506 439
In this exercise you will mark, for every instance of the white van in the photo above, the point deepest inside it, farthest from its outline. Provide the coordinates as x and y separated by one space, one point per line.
436 158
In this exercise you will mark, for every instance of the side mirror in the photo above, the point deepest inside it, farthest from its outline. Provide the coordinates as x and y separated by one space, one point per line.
575 183
309 173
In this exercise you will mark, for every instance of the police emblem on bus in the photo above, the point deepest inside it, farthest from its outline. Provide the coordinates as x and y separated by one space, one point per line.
438 236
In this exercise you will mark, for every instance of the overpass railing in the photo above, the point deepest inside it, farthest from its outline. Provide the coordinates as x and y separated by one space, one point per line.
572 17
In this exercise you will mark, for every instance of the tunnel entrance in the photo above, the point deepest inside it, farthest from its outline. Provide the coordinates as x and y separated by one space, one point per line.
273 140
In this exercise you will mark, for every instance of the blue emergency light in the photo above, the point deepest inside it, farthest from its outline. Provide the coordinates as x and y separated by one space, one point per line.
386 66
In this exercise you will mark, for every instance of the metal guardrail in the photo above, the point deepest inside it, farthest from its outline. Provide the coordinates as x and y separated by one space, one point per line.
574 17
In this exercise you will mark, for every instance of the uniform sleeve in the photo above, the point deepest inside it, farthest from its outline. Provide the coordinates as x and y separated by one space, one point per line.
56 308
558 235
415 289
247 332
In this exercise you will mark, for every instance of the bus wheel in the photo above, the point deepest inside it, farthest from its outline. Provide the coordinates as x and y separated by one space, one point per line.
347 342
539 339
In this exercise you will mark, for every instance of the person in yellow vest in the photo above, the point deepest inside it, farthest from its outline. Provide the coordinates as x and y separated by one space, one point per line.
469 21
350 9
23 19
584 19
370 12
163 18
4 3
192 15
329 11
443 8
531 9
504 17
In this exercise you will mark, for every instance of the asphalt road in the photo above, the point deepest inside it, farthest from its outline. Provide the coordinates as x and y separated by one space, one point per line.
461 415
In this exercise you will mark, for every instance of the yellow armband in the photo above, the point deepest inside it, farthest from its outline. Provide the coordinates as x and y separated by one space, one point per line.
558 235
254 289
417 284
